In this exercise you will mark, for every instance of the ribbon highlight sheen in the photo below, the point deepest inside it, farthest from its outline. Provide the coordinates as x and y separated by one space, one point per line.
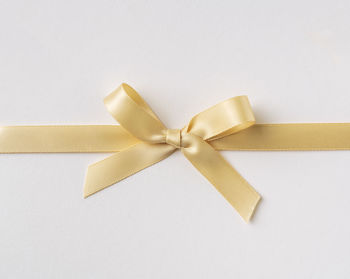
142 140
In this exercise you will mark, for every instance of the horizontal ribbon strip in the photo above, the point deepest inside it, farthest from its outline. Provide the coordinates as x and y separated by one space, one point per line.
113 138
142 140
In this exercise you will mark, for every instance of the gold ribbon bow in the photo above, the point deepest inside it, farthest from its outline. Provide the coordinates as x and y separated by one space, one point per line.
142 140
157 143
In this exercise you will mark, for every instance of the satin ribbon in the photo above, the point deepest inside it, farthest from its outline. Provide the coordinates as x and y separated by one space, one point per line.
142 140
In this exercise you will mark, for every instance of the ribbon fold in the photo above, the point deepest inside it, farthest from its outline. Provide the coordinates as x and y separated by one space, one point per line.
142 140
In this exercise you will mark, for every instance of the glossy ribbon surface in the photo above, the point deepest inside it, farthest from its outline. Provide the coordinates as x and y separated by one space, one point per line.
142 140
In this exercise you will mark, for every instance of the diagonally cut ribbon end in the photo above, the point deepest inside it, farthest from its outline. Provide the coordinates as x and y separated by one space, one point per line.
94 182
247 217
245 199
87 192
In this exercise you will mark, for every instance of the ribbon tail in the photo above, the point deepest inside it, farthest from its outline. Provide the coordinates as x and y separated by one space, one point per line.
223 176
123 164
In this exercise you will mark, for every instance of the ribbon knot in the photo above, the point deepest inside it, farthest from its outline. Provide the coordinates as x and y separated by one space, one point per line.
173 137
156 142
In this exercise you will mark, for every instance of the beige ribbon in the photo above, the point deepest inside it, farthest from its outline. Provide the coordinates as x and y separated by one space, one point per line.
157 143
142 140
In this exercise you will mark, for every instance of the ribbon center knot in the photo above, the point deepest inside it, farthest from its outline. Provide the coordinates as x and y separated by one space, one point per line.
173 137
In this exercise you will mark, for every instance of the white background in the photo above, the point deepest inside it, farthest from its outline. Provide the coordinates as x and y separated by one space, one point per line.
59 59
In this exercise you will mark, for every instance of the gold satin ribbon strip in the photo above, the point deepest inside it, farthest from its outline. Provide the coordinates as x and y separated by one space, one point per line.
143 140
113 138
56 139
298 136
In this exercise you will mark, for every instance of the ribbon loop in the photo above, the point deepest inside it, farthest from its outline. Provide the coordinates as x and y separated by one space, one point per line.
133 113
225 118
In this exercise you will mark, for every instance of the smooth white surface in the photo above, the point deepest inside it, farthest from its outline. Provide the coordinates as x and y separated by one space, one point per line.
58 59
